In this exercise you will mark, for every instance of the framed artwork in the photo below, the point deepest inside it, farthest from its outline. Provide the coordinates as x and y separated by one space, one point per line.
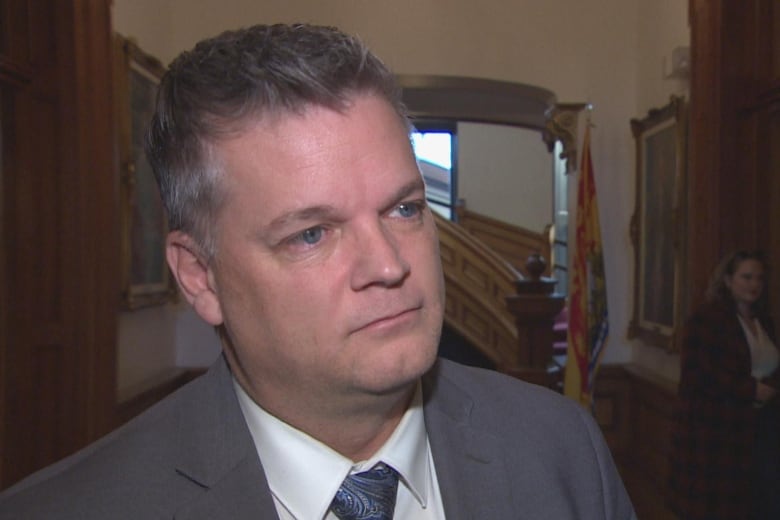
146 279
658 224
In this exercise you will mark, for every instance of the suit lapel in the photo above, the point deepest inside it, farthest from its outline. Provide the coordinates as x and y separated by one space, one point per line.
215 451
471 474
242 494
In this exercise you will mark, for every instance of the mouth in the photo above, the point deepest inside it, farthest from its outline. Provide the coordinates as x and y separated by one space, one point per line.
391 321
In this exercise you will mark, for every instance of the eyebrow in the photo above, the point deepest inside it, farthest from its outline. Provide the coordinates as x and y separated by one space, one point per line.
309 213
404 191
327 211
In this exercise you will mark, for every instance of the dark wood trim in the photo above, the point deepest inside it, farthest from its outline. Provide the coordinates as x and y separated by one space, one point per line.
89 164
13 73
735 92
635 410
59 233
612 398
17 20
704 160
731 78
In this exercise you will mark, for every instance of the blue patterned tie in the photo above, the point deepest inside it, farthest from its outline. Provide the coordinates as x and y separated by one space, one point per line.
369 495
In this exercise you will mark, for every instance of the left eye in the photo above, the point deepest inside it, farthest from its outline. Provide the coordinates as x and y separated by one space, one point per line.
310 236
408 209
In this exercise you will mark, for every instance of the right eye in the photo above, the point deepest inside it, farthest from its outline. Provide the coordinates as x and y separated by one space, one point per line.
309 236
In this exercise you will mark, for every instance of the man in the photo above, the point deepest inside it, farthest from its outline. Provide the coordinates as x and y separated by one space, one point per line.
300 230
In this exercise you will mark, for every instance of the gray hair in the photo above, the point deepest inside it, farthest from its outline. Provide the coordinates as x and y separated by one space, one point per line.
213 91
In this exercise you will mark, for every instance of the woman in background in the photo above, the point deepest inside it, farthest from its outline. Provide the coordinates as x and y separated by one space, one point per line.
726 444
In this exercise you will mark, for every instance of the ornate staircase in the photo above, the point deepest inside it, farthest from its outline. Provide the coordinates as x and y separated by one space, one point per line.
506 316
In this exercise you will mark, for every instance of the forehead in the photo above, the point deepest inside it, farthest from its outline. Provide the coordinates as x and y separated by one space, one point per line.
749 265
313 122
294 158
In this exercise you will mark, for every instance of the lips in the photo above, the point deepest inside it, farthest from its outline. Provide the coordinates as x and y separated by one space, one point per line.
388 320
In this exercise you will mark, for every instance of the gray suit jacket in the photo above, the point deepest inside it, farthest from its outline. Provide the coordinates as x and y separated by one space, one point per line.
502 449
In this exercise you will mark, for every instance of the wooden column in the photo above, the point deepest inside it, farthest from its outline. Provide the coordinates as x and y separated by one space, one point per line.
734 131
535 307
59 252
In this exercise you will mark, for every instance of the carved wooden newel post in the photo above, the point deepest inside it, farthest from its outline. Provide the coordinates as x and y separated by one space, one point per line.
535 307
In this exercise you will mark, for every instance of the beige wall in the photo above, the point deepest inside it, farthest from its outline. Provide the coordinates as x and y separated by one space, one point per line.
606 52
145 340
149 22
506 173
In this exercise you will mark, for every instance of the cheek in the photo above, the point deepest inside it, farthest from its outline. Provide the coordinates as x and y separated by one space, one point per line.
429 259
273 319
247 293
303 300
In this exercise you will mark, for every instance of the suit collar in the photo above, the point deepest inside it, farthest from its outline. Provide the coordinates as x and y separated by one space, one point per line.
216 452
469 465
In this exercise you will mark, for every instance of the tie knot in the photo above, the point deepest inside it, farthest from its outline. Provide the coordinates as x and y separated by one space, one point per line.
369 495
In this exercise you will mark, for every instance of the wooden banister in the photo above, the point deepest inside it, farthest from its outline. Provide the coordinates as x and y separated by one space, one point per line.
513 243
535 306
508 318
477 280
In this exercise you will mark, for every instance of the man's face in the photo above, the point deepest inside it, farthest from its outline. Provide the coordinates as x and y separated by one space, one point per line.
327 271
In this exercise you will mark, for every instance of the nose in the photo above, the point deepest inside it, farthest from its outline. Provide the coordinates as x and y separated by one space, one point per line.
377 258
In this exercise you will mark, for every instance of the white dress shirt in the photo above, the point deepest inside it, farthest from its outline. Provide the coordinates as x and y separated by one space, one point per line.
304 474
764 356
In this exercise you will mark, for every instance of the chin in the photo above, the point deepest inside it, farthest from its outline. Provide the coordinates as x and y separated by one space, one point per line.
403 369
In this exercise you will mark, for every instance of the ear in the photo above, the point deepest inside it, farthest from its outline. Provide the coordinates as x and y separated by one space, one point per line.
194 276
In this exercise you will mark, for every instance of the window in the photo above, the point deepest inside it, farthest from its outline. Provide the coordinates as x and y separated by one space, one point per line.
560 245
435 148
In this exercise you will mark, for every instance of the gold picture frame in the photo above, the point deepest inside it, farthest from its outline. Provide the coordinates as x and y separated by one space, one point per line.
658 224
146 279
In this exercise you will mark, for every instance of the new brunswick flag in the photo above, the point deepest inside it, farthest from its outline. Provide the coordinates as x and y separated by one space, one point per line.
588 324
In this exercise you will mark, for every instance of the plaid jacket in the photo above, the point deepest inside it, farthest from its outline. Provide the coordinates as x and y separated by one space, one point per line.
714 430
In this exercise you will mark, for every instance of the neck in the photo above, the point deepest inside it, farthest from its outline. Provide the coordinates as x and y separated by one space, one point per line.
356 427
354 424
360 433
744 310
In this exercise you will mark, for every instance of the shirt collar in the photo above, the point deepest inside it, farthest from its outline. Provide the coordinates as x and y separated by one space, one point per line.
304 474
